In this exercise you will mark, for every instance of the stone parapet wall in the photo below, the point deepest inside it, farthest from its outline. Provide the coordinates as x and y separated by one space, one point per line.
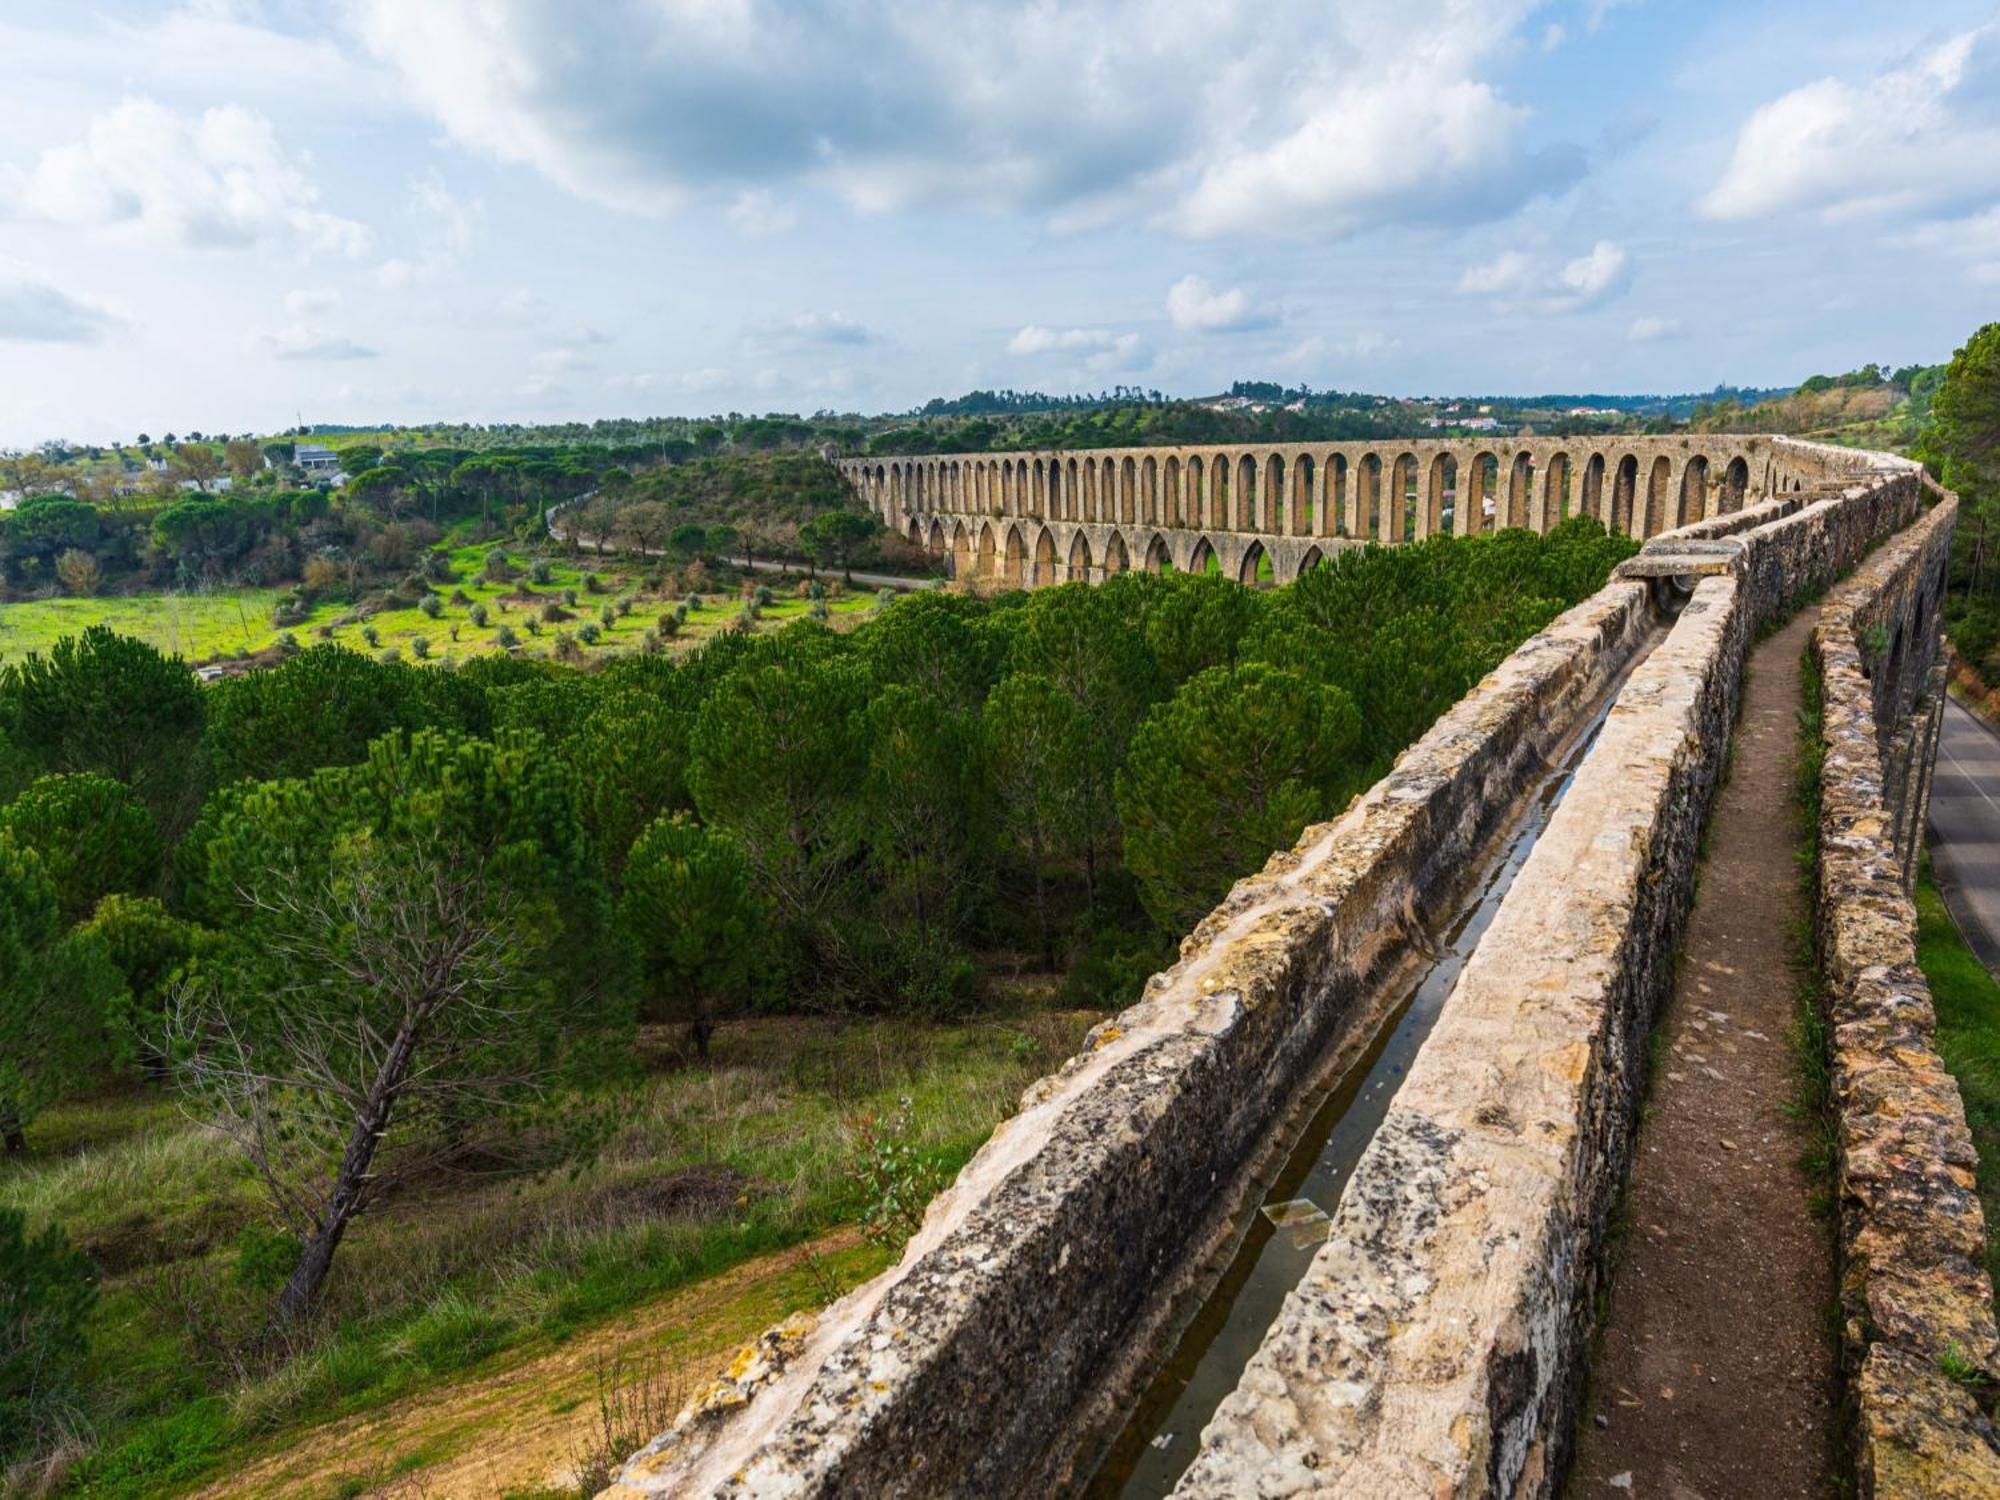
1435 1345
1917 1326
976 1364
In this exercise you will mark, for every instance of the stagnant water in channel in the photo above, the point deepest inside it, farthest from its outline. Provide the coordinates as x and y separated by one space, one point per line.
1163 1432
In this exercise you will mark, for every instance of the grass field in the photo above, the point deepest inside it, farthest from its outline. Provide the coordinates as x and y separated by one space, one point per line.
709 1167
1968 1033
204 626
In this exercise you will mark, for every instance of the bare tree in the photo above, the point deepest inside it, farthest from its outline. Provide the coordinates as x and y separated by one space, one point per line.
374 1030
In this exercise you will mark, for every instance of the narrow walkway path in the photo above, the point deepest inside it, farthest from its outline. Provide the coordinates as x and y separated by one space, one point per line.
1714 1377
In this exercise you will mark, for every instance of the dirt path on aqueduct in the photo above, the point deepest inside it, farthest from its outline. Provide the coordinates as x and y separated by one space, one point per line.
1714 1375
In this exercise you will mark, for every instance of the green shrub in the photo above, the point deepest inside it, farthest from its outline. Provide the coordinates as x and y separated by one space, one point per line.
505 637
588 632
420 647
431 605
46 1293
371 635
608 616
542 572
477 615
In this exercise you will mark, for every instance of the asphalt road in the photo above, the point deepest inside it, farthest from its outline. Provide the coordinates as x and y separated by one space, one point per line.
1965 829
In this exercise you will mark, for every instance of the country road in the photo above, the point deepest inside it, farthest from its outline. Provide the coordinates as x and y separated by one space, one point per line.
1965 828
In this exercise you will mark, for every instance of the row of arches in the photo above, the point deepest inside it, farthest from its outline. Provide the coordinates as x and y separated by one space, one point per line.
1022 554
1373 495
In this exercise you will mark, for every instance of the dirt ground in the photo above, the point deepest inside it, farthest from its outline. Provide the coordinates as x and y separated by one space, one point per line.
537 1425
1714 1376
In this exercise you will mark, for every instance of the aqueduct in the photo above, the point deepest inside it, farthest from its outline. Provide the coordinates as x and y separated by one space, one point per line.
1265 513
1432 1337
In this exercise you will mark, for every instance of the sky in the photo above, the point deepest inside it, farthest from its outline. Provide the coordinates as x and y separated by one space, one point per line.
231 215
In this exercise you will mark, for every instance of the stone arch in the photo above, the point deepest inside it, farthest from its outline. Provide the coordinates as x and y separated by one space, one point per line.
1693 504
1246 493
1624 495
1304 511
1159 556
1194 507
1657 484
1735 485
1170 480
1520 489
1051 490
1590 498
1256 570
1216 516
1336 478
1045 559
1441 503
1072 509
1481 505
1079 557
1404 498
1128 483
1149 490
937 543
1371 509
1015 566
1313 558
1203 558
961 551
986 559
1115 560
916 530
1556 498
1274 495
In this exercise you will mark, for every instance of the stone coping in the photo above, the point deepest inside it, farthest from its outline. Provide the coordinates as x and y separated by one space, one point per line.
1916 1302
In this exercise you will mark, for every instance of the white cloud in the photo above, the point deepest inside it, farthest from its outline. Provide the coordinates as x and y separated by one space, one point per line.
1195 307
304 341
758 214
1367 344
1100 349
816 328
1508 272
1421 134
1589 279
219 179
1235 116
442 232
1034 339
1923 135
1974 240
1648 329
33 310
1517 279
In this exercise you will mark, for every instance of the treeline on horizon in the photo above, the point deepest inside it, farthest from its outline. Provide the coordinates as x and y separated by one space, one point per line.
999 419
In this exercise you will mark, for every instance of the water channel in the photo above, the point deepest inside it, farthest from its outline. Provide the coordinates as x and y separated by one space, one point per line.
1163 1432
